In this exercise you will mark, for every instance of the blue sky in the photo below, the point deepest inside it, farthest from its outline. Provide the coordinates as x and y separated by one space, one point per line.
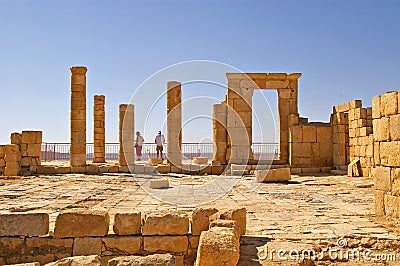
345 49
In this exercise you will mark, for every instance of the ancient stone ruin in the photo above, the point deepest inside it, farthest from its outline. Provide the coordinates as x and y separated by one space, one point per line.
357 142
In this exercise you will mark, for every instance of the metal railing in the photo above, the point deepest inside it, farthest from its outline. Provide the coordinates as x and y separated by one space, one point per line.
61 151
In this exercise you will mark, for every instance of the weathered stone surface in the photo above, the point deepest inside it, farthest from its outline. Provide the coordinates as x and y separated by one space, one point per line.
218 246
226 223
81 222
85 246
382 180
159 183
354 168
150 260
93 260
379 202
395 127
238 215
201 219
200 160
24 224
176 244
166 223
273 175
128 245
127 223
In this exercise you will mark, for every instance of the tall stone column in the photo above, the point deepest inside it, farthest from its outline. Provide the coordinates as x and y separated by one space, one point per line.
126 134
78 116
174 123
220 137
99 129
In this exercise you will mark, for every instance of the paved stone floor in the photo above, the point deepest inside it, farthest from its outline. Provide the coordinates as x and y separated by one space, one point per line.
310 212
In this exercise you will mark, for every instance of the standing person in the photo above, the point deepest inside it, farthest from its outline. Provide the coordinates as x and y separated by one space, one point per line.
160 140
139 145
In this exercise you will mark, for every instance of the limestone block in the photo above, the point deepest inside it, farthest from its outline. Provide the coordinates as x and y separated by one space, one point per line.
81 222
354 168
158 183
200 219
382 178
395 176
93 260
127 223
15 138
129 245
296 134
228 224
301 149
84 246
273 175
31 137
376 107
390 101
24 224
379 202
176 244
156 259
218 246
344 107
200 160
392 206
166 223
278 84
238 215
395 127
324 134
381 129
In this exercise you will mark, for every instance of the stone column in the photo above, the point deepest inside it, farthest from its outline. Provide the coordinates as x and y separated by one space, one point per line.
126 134
220 137
78 117
99 129
174 123
239 121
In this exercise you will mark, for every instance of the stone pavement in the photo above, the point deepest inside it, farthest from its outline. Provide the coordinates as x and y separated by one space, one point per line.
308 212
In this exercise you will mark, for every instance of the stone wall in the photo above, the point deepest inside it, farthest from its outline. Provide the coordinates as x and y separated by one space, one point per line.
310 148
386 126
25 237
23 155
361 140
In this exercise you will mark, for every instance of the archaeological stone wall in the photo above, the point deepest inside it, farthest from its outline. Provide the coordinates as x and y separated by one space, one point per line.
310 148
23 155
386 127
208 235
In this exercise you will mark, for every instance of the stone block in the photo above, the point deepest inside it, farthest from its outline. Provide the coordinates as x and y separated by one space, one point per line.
395 177
200 160
238 215
218 246
24 224
149 260
217 170
376 107
392 205
166 223
81 222
155 161
296 134
31 137
324 134
382 179
354 168
161 244
395 127
228 224
381 129
273 175
390 101
301 150
128 245
84 246
127 223
201 219
15 138
93 260
158 183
